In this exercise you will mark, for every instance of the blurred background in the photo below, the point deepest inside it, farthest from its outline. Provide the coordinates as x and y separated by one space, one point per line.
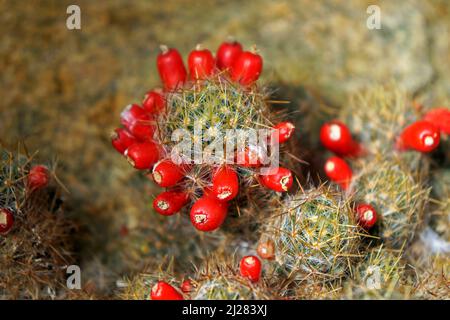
61 91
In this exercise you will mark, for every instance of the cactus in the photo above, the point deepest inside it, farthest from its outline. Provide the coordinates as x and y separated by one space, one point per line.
440 221
34 254
217 280
138 287
208 110
377 116
398 197
315 235
379 276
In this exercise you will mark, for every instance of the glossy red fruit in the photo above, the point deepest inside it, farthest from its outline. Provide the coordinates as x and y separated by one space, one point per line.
285 131
138 122
164 291
166 173
171 68
278 179
247 68
339 171
227 54
201 63
168 203
6 221
366 214
336 137
38 177
154 102
251 157
142 155
208 214
250 267
440 117
266 250
225 184
422 136
121 139
187 286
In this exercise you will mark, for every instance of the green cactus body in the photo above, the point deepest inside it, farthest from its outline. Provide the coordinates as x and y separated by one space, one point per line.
228 287
314 234
377 117
397 196
440 220
378 276
217 279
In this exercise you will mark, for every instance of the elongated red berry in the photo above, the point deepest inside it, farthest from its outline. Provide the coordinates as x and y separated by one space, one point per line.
121 139
164 291
154 102
38 177
250 267
6 221
366 214
227 54
251 157
142 155
336 137
440 117
187 286
138 122
247 68
422 136
171 68
168 203
285 131
225 184
201 63
166 173
208 214
339 171
278 179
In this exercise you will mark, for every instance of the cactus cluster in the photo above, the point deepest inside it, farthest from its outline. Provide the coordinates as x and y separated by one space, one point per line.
398 195
206 138
36 250
378 276
315 234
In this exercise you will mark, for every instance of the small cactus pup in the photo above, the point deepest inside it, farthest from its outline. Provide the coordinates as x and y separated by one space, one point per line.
34 233
209 134
385 122
380 275
218 279
315 235
440 192
398 196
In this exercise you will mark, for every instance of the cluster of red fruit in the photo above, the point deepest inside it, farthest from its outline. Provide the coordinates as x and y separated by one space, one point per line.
37 178
250 267
421 136
136 140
